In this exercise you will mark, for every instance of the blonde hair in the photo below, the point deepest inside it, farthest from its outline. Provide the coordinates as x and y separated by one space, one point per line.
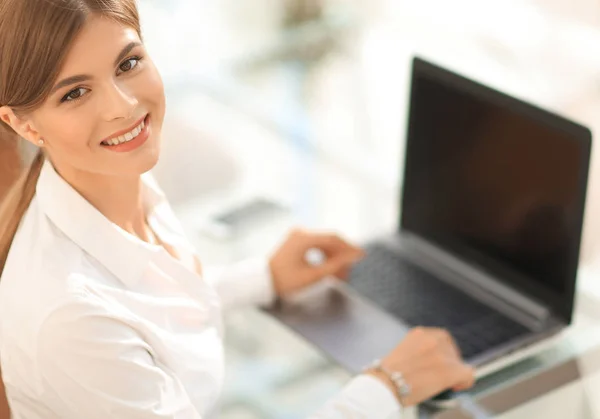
35 37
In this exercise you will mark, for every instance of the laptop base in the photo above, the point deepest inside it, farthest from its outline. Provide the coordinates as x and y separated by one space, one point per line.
352 331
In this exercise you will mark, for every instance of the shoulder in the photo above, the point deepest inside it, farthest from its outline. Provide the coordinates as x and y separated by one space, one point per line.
41 261
44 270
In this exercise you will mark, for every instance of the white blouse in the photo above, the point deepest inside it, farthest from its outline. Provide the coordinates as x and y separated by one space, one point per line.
96 323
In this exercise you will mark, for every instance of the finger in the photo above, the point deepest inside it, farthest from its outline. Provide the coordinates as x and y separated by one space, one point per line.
343 273
461 376
333 266
333 244
468 382
345 258
426 383
340 264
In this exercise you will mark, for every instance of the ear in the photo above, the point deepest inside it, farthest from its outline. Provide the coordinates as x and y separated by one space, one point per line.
22 126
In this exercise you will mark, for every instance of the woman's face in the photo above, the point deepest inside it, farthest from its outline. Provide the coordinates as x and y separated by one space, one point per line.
121 88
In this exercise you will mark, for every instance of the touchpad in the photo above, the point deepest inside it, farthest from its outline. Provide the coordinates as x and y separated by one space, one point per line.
350 330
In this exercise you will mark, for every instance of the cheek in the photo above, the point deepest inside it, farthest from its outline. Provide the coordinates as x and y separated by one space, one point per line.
72 133
153 88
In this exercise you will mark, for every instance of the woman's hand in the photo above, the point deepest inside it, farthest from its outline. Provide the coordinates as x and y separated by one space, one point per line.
290 269
430 363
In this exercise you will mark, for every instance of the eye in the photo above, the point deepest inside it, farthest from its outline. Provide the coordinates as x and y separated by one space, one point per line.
73 95
127 65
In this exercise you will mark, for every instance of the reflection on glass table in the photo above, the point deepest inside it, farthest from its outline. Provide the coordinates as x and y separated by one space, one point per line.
272 374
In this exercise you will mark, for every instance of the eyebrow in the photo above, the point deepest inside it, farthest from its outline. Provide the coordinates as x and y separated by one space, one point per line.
83 77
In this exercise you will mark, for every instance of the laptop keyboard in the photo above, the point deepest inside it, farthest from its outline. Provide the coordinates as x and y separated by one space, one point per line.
420 299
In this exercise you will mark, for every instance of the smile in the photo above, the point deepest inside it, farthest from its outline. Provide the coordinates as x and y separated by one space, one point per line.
125 137
130 140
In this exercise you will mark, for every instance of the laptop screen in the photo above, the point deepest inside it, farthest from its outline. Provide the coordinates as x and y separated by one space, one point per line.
496 182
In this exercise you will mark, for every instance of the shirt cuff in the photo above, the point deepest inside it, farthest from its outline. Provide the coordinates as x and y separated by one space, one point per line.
244 283
369 395
261 290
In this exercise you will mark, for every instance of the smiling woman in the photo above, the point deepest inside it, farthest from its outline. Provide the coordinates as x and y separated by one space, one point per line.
49 97
105 310
69 112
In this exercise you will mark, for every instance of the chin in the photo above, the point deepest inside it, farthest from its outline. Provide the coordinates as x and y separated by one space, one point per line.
149 157
149 161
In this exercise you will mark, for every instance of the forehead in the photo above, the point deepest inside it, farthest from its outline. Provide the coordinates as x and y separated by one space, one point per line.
97 45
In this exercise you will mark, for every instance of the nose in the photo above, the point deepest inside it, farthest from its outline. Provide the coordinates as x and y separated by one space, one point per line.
119 102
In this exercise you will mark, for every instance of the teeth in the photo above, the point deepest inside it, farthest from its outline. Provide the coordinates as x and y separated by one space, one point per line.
127 137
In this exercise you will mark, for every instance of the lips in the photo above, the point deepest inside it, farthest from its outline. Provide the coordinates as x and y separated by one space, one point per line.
136 142
126 130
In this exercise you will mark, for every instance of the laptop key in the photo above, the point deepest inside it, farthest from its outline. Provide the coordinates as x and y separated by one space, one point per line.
420 299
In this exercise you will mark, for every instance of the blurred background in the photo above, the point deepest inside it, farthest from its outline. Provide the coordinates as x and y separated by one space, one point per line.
303 103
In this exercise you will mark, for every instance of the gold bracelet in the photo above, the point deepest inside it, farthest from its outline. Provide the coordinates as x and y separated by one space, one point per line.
402 388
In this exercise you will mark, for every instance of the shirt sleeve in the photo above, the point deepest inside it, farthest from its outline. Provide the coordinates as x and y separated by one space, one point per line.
365 397
245 283
95 366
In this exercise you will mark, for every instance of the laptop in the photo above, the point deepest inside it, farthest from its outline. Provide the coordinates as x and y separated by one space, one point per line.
488 237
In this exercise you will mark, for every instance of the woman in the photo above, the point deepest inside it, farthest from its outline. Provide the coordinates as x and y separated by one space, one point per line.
105 310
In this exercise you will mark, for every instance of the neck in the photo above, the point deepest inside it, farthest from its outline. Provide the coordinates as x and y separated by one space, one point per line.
118 198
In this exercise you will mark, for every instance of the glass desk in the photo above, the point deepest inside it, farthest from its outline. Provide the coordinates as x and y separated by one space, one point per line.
291 379
273 373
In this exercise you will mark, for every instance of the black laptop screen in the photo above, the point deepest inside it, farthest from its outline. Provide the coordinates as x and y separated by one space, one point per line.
496 182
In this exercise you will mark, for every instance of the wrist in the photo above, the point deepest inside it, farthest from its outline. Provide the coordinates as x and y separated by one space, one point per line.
384 379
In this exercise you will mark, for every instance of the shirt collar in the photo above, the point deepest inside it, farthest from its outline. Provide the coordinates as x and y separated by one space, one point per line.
122 253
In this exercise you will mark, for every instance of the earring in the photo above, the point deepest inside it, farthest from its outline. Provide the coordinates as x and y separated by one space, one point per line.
41 142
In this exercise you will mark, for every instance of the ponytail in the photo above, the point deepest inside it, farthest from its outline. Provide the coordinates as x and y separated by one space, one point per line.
15 203
10 161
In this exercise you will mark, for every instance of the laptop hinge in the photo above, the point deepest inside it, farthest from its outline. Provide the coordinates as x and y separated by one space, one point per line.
475 282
